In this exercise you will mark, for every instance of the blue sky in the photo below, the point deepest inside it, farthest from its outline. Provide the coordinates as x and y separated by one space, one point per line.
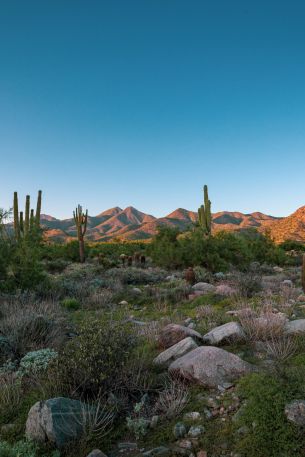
141 102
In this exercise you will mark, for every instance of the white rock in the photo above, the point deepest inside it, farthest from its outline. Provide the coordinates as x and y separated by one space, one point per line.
174 352
204 287
225 332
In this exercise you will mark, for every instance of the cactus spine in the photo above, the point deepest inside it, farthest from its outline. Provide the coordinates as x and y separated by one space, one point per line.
24 223
81 225
204 213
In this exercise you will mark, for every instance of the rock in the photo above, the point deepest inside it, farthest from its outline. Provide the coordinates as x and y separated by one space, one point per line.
174 352
287 283
160 451
173 333
295 412
136 291
196 431
96 453
180 430
194 416
301 298
225 290
278 269
154 421
295 327
210 366
185 444
219 275
123 303
204 287
202 454
57 420
225 332
128 445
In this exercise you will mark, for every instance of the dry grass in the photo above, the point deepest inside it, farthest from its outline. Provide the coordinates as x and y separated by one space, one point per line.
10 394
173 399
30 324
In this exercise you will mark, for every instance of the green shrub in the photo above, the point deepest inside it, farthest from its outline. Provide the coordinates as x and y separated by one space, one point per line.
36 361
94 359
24 449
269 432
72 304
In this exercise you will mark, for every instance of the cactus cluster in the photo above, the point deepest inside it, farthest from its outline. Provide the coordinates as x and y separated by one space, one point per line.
25 223
204 213
81 220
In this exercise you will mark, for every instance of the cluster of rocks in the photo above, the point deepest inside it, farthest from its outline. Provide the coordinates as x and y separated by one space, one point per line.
209 366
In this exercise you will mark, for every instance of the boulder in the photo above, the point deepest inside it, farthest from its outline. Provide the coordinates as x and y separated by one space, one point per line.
295 327
174 352
225 290
210 366
57 420
225 332
173 333
295 412
96 453
204 287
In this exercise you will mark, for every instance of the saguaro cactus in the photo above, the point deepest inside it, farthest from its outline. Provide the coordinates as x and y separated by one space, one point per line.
24 222
16 217
81 225
38 208
204 213
303 274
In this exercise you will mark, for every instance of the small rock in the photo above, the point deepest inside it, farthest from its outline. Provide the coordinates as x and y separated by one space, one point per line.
204 287
194 416
287 283
196 431
96 453
154 421
295 412
173 333
295 327
202 454
179 430
185 444
174 352
160 451
136 291
123 303
225 332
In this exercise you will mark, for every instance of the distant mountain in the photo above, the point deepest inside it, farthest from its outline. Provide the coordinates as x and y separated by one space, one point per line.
289 228
132 224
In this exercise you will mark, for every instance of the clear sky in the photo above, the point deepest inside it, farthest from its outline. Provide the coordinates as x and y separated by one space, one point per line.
141 102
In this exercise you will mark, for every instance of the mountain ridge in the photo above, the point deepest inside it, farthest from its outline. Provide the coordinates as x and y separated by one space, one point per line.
131 224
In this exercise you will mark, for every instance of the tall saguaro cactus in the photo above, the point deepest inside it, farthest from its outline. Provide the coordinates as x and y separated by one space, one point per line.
16 216
81 225
204 213
24 223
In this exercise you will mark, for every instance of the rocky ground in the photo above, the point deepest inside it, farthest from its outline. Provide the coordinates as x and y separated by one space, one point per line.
201 349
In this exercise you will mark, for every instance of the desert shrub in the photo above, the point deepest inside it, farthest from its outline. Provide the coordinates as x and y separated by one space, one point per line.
30 325
70 304
35 362
172 399
71 251
268 431
24 449
135 276
249 282
291 245
95 357
56 265
10 395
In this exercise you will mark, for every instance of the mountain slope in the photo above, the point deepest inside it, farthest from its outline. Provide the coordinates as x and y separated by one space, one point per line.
289 228
132 224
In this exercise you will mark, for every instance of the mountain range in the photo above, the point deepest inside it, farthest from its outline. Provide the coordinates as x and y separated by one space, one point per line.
132 224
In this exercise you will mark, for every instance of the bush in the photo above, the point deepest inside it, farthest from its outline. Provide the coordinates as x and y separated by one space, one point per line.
23 449
35 362
94 359
268 431
72 304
